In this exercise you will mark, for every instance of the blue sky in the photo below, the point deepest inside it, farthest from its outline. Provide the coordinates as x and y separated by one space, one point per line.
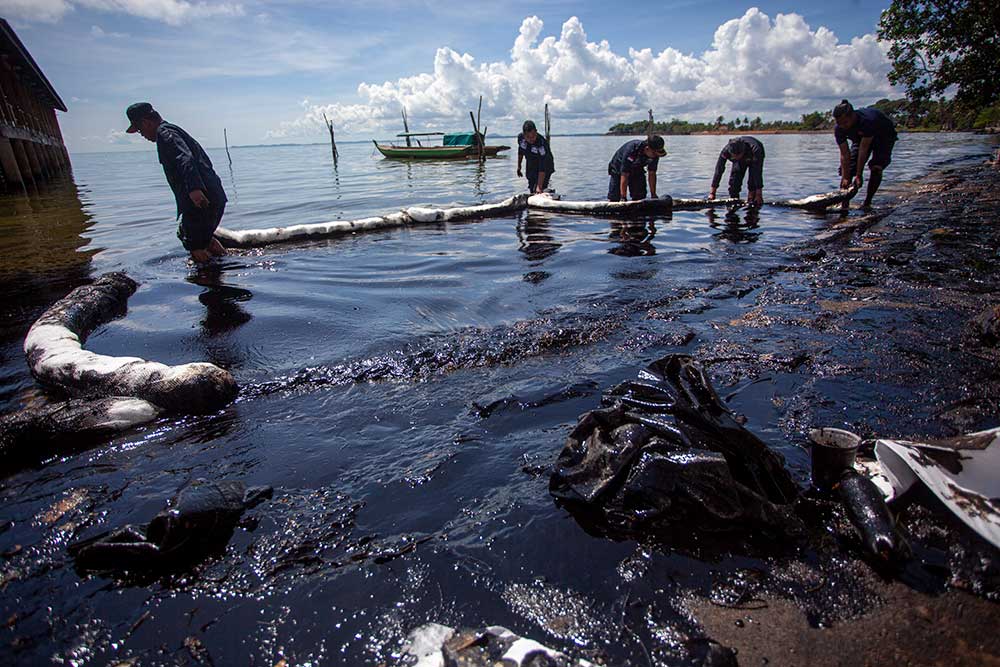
267 71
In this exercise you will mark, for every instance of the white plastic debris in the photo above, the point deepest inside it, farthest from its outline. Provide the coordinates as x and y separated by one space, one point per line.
963 472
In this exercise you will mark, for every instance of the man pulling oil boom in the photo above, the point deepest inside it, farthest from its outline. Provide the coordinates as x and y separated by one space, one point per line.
746 154
872 134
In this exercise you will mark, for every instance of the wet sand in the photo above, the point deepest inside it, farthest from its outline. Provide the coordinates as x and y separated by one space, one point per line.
885 300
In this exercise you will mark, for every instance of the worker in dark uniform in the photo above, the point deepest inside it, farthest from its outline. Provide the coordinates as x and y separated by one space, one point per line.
198 191
628 165
532 148
872 134
746 153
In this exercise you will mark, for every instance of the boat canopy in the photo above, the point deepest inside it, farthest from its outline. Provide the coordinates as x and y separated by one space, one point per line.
460 139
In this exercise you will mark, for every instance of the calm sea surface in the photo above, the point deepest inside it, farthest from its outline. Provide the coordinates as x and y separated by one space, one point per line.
365 465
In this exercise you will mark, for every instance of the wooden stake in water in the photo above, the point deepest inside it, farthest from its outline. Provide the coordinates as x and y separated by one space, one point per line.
548 124
649 129
225 138
480 139
333 141
406 128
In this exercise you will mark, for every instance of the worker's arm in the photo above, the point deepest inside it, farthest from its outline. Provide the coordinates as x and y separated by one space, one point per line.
863 151
540 186
623 186
180 154
520 157
651 177
845 166
720 166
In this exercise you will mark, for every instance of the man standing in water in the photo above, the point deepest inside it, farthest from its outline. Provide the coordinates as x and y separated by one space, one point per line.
871 133
201 200
533 148
745 153
628 165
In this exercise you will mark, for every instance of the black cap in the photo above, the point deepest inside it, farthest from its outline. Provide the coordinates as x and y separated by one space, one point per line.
656 143
136 113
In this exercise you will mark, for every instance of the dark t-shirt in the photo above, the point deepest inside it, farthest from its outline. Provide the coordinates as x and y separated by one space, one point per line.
753 157
631 158
187 167
871 123
538 156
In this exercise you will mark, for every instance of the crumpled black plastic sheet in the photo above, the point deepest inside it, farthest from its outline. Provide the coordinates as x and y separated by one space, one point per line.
665 452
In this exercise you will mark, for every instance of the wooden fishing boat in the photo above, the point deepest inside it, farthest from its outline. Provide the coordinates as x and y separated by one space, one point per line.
458 145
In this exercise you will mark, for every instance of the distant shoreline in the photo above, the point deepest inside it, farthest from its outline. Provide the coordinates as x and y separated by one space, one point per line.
719 132
743 131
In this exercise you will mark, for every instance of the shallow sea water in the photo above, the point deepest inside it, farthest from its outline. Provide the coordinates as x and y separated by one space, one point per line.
418 494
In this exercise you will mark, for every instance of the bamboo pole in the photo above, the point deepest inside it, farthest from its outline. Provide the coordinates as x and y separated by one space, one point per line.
480 139
548 124
475 131
406 128
333 140
225 138
649 128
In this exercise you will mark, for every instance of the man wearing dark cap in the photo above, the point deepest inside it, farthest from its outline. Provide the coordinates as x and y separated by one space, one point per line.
533 148
628 166
746 153
201 200
873 134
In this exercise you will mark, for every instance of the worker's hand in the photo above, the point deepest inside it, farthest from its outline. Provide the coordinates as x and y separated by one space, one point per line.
199 199
845 183
519 174
652 195
711 194
858 181
758 198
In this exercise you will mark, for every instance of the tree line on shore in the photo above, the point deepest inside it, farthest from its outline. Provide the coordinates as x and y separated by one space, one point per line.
916 115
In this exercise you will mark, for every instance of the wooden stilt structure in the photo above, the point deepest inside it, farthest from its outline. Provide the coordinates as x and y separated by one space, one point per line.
32 151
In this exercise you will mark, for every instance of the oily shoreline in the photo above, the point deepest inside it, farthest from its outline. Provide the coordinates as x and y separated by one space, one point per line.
881 316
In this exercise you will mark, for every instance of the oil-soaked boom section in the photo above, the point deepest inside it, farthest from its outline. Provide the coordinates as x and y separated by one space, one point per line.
32 151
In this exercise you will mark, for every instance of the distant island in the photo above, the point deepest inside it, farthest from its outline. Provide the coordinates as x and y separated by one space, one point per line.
925 116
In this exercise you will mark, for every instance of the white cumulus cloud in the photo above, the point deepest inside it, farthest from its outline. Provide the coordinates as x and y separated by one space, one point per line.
45 11
172 12
755 65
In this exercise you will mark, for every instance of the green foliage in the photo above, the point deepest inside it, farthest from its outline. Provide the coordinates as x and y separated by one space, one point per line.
817 120
988 117
940 45
933 114
914 115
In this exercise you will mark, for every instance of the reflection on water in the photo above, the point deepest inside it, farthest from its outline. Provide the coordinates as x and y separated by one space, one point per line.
43 255
534 238
735 225
634 238
221 301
